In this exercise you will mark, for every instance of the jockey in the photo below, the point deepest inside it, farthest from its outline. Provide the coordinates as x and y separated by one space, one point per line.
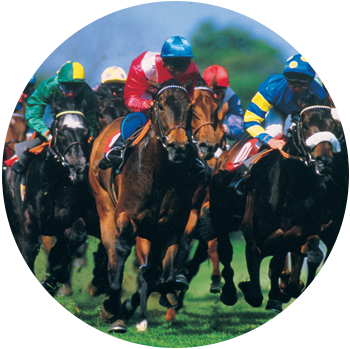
339 69
113 78
23 82
230 106
174 61
6 109
68 83
277 98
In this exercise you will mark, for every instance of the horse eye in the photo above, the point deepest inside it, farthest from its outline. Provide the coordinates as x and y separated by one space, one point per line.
160 106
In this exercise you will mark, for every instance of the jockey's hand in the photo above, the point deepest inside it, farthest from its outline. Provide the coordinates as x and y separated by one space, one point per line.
276 144
147 104
226 130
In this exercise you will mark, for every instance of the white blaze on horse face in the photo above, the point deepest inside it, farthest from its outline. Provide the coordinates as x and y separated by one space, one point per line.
72 121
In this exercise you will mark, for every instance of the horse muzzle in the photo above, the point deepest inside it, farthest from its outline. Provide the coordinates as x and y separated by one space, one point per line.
207 150
324 165
178 153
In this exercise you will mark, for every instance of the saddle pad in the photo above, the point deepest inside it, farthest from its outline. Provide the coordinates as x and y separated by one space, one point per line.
247 151
130 123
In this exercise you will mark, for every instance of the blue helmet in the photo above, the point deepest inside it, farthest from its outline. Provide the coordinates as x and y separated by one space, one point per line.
176 46
23 74
298 64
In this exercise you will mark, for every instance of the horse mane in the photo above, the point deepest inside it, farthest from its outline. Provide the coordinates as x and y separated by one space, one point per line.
201 82
308 99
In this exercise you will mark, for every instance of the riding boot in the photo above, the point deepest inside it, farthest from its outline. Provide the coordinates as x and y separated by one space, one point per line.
197 168
238 183
114 157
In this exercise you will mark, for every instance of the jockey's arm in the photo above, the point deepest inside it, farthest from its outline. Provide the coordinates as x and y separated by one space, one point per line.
35 110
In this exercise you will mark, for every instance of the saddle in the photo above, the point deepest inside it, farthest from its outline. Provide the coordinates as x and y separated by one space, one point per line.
251 152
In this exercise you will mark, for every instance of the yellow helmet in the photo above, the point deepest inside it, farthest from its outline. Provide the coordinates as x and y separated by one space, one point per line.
113 74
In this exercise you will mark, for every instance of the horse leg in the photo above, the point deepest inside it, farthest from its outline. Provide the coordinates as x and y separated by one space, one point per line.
314 258
225 251
215 287
99 283
32 247
61 254
251 289
276 266
112 307
295 285
284 280
168 296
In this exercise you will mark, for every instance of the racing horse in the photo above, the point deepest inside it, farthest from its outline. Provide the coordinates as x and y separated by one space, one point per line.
57 200
283 205
148 202
110 107
335 231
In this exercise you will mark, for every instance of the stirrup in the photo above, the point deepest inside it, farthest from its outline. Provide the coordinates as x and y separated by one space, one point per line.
113 158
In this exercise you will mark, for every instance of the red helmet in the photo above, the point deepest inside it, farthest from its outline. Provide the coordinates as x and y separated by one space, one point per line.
220 73
341 62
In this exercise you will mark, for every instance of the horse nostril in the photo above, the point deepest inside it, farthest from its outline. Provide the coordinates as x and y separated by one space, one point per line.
324 161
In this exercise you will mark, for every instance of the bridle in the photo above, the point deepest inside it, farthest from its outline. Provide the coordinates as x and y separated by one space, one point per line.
162 136
53 149
303 146
204 123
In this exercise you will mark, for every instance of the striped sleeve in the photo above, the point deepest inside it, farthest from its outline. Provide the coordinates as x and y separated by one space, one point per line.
255 116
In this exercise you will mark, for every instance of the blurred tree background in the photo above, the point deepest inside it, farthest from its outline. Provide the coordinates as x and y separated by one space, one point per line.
248 61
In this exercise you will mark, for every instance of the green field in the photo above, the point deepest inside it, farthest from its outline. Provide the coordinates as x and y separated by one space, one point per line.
204 322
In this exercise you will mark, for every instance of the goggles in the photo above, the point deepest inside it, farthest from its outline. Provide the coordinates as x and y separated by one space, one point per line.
74 88
177 63
300 83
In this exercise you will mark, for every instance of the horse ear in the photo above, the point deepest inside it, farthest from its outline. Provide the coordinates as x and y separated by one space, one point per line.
188 84
153 84
213 83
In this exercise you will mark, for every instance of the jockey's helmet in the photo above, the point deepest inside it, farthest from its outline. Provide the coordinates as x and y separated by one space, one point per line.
23 74
221 74
297 65
113 74
340 62
71 72
176 46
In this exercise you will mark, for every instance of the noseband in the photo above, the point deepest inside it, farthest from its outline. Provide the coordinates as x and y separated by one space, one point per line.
54 149
163 137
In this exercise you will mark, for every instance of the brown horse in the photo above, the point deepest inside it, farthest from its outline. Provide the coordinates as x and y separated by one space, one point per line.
283 206
335 231
149 202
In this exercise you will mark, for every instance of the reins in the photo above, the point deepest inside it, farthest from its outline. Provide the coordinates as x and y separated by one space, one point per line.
53 149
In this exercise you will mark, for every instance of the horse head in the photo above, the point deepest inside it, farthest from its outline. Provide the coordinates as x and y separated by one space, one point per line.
171 117
111 109
204 120
70 139
317 132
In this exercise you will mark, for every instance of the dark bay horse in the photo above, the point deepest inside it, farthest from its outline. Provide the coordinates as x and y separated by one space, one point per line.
110 107
283 205
57 200
151 205
336 228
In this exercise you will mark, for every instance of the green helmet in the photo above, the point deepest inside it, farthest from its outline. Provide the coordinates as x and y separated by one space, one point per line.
71 72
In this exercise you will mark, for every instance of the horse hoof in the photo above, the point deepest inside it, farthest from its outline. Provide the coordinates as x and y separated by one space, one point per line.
340 291
274 305
181 283
303 311
117 327
168 300
252 297
29 295
215 287
142 326
16 291
170 315
229 298
128 309
65 290
105 315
